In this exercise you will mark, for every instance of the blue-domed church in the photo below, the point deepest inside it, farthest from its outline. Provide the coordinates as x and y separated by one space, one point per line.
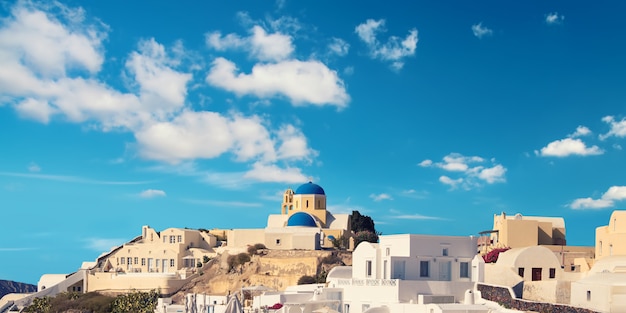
303 223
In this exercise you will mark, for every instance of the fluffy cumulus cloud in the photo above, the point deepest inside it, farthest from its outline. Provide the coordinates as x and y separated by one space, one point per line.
302 82
470 171
152 193
481 31
51 58
394 50
618 128
572 145
607 200
260 45
554 18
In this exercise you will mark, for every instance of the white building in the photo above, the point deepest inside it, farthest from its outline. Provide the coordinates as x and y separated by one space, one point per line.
604 289
411 273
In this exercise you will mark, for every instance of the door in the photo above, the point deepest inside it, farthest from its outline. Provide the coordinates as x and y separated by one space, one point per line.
164 264
536 273
444 270
150 265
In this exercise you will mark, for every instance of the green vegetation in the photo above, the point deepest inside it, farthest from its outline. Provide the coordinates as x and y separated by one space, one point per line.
237 260
252 250
318 279
135 302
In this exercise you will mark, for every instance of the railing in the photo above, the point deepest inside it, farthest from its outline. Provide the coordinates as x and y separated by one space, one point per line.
367 282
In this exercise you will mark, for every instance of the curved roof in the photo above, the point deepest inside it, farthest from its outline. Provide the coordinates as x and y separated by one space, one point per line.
310 189
301 219
521 257
337 272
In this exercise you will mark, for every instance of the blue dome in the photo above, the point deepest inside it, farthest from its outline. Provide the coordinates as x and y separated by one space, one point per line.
301 219
310 189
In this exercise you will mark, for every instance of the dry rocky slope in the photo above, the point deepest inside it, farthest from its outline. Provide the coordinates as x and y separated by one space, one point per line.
8 286
275 269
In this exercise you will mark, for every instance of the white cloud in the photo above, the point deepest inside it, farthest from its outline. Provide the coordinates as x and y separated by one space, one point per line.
152 193
72 179
618 128
580 131
568 146
426 163
215 203
294 145
608 199
34 168
273 173
395 50
47 45
50 66
415 217
480 31
453 183
260 45
493 174
38 110
300 81
380 197
554 18
472 170
339 46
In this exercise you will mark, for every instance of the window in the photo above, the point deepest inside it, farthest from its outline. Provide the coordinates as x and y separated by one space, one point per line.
171 262
346 308
552 272
385 269
136 260
179 238
588 295
536 274
123 260
143 261
387 251
368 268
444 252
278 242
424 269
464 269
600 248
172 239
164 239
130 260
307 204
520 272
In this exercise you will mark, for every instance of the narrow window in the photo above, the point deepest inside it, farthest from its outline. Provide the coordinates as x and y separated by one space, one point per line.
164 239
136 260
424 269
123 260
444 252
368 268
552 272
307 204
520 272
600 252
464 269
387 251
171 262
588 295
143 261
179 238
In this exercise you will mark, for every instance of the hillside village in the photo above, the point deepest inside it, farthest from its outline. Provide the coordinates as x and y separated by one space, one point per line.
311 260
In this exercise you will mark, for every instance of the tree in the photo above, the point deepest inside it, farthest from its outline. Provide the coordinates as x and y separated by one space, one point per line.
365 235
360 222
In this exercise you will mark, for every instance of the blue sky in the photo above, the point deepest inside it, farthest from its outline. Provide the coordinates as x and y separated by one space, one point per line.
429 117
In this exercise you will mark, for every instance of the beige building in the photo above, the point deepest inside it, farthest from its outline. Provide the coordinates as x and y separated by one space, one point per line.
519 231
155 260
303 223
611 239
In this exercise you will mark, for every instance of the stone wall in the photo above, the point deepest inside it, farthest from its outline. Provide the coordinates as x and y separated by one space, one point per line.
504 297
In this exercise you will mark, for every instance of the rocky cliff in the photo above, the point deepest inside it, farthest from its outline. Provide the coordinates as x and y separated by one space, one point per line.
7 286
276 269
